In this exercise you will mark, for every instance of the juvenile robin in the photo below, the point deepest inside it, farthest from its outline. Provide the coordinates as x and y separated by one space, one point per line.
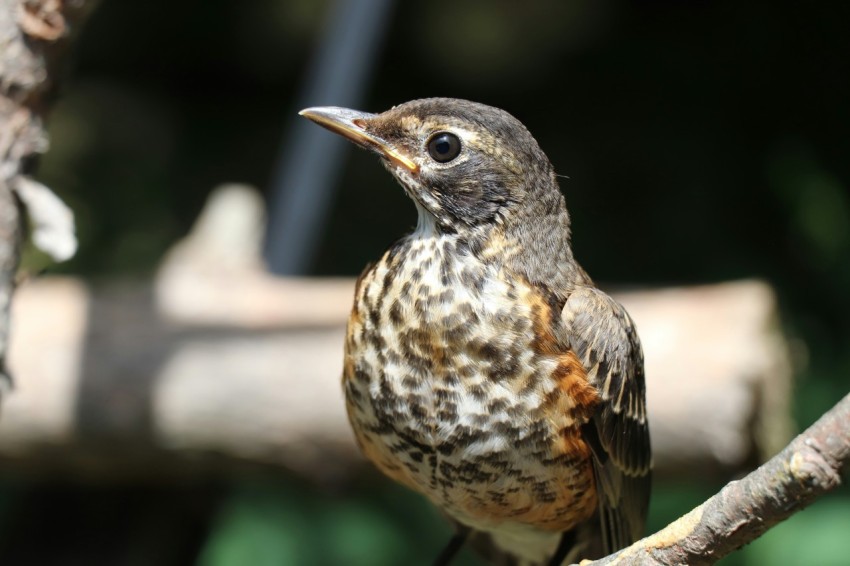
482 367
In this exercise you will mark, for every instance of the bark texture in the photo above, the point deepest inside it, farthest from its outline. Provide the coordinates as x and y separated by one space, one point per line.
32 34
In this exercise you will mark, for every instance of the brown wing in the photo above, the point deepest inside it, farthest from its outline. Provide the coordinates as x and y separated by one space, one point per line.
603 336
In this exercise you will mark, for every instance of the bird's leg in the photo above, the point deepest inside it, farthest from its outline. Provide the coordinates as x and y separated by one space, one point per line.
568 539
453 547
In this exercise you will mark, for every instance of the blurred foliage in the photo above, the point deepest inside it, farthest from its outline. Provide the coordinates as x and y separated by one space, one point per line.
373 525
703 141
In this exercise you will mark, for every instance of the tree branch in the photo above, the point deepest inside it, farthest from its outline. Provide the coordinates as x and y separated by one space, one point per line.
806 469
33 33
187 374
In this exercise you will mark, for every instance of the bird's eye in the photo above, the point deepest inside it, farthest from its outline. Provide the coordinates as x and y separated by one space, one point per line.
443 147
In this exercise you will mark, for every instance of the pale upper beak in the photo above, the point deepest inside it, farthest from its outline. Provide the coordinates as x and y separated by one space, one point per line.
351 124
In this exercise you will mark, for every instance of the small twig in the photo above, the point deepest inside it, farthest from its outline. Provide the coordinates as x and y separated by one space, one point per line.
743 510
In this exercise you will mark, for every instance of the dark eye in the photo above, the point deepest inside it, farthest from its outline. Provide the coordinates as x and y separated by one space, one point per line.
443 147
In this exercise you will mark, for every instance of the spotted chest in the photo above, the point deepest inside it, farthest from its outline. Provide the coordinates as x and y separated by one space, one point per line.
457 386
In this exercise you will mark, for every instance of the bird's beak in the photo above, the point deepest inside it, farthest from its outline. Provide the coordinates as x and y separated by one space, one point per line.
351 124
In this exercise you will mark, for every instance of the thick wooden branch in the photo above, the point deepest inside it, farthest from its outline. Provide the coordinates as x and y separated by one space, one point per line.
743 510
218 363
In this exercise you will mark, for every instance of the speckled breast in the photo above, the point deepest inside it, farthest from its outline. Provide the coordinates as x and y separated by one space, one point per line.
457 387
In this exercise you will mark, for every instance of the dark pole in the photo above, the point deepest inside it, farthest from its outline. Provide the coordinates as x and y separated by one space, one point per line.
310 158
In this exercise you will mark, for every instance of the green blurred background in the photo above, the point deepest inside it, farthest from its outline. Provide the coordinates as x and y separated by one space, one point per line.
704 141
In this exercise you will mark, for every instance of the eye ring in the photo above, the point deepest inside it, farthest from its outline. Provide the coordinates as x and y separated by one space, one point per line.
443 147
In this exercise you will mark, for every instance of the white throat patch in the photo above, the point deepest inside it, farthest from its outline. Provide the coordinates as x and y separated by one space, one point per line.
426 225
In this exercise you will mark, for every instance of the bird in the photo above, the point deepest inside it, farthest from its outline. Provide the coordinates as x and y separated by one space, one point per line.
482 367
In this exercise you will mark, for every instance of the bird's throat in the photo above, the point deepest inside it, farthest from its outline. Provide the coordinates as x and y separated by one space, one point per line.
426 224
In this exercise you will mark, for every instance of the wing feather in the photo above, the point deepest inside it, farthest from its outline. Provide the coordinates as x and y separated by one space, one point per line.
603 336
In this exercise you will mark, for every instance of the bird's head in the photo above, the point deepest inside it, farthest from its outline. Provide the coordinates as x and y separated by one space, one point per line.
465 165
474 171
